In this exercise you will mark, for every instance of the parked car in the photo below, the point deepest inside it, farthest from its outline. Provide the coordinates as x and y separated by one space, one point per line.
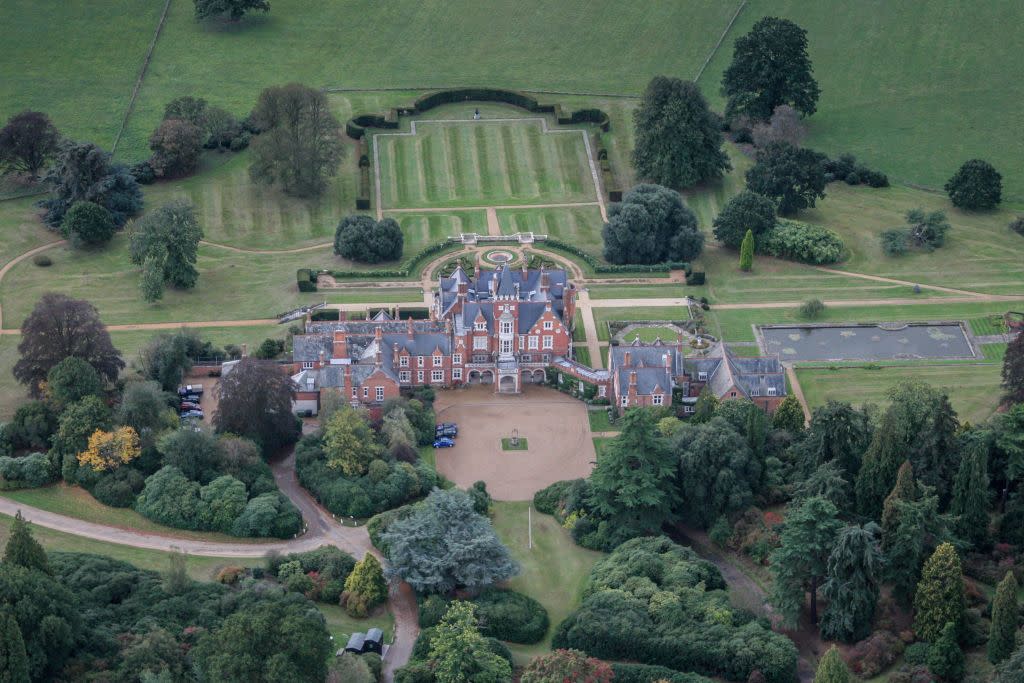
190 405
191 398
446 429
193 413
444 442
196 389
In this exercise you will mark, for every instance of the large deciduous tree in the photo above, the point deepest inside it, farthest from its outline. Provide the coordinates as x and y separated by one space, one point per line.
27 142
300 147
165 243
718 472
71 380
349 442
770 67
255 401
792 176
940 594
1013 370
631 486
746 211
231 9
84 172
176 144
851 587
87 225
444 544
975 185
59 327
275 639
800 563
651 225
678 139
361 238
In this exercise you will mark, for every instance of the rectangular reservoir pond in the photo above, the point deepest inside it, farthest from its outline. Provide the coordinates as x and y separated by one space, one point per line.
885 341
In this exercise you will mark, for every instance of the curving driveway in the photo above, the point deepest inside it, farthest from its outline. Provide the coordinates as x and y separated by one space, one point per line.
322 529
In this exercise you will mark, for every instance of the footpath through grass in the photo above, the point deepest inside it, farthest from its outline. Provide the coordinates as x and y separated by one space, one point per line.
553 572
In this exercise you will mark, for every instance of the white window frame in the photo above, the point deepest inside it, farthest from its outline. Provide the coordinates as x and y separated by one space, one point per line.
419 361
658 399
419 376
624 401
379 393
354 394
771 391
526 358
689 409
403 361
480 326
549 325
533 342
457 359
307 365
755 391
506 327
548 341
479 343
438 361
366 392
702 376
404 376
457 373
437 375
506 346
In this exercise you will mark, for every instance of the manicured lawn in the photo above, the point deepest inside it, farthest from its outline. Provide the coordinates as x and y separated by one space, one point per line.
989 324
993 352
665 291
507 445
736 324
480 163
552 572
199 568
604 355
340 625
600 443
744 350
897 78
382 295
429 456
605 315
582 354
12 394
577 225
973 389
579 332
78 503
21 229
650 334
599 421
423 229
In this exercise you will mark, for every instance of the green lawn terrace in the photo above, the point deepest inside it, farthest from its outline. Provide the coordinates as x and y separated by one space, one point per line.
453 163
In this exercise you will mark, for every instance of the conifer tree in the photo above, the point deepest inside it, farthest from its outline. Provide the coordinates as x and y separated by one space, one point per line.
851 587
747 252
1001 638
13 659
23 550
905 490
1013 370
917 523
970 498
800 562
940 594
945 658
789 415
879 468
832 668
365 587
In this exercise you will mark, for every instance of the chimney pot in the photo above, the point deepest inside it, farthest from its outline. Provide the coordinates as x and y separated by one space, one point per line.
245 350
627 358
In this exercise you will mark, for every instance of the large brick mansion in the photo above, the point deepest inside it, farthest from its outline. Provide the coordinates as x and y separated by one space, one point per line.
507 327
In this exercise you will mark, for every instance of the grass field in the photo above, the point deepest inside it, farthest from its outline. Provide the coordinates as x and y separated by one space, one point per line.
577 225
599 421
989 324
340 625
602 316
973 389
667 290
478 163
76 502
382 295
898 78
422 229
650 334
552 572
582 354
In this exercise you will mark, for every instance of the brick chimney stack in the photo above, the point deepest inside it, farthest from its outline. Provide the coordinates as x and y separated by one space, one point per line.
245 350
632 379
408 328
378 336
668 361
626 360
394 355
320 363
681 342
340 346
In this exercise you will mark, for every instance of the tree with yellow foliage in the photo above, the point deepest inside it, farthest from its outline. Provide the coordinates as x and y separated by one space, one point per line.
109 450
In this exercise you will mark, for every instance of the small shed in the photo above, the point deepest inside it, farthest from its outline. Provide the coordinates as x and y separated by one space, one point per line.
374 641
356 643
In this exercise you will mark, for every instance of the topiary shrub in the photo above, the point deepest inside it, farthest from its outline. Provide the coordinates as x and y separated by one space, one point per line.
1017 225
811 309
42 260
511 616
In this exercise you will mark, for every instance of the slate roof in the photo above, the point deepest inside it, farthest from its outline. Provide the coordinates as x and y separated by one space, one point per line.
648 379
508 283
307 347
650 355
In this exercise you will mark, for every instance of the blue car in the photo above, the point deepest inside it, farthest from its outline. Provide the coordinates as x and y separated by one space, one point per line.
444 442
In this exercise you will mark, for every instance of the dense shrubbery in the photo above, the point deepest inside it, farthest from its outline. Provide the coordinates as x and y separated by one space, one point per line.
654 601
322 572
379 489
360 238
845 168
503 614
30 471
925 231
803 242
649 673
651 225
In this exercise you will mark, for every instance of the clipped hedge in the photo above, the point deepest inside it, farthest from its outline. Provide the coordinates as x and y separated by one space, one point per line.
600 267
504 614
409 268
306 279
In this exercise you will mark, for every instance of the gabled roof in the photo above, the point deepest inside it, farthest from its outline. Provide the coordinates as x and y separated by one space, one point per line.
649 380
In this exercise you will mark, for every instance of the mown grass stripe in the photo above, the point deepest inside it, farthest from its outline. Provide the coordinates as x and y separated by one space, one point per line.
535 162
513 164
481 159
427 169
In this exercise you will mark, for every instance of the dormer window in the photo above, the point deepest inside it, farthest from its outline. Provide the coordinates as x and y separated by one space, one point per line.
755 391
480 326
771 391
438 360
702 377
403 361
307 364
